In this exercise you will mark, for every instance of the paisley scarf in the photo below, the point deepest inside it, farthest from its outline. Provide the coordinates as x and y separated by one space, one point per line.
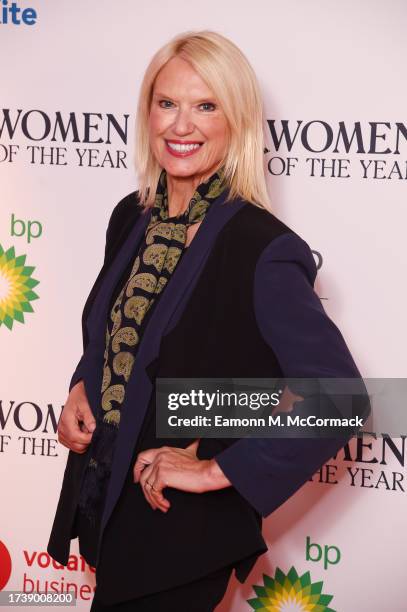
158 256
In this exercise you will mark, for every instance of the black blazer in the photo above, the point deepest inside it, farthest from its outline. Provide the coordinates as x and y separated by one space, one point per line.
239 304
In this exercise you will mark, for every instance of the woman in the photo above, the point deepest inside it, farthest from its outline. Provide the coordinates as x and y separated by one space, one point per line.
200 280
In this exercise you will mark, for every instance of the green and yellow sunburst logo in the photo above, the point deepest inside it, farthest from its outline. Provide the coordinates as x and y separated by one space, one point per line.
290 593
16 287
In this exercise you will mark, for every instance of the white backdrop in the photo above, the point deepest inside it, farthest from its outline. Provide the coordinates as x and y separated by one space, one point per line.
321 65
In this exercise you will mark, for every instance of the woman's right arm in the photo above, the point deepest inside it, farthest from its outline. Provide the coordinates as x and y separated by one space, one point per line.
77 423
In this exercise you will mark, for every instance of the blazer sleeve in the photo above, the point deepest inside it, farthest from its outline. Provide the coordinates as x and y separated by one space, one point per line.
307 343
112 229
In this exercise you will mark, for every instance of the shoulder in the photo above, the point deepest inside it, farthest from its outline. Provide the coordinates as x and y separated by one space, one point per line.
122 219
258 228
254 224
126 209
270 241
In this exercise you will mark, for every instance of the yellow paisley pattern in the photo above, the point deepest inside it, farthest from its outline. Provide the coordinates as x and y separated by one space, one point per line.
107 377
144 280
112 417
136 307
127 335
180 233
117 322
161 284
173 255
136 266
199 208
161 230
215 188
154 255
116 305
116 393
122 364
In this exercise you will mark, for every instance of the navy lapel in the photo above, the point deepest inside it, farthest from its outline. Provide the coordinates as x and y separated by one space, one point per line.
113 247
98 312
99 309
140 386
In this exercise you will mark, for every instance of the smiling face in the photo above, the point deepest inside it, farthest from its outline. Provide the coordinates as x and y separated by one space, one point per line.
187 127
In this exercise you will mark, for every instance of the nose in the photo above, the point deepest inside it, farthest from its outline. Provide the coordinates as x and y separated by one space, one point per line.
183 123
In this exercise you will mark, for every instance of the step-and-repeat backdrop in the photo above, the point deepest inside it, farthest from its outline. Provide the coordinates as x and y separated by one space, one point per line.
333 77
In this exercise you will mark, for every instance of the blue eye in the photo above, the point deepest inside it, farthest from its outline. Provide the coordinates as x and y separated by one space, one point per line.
207 106
204 106
165 103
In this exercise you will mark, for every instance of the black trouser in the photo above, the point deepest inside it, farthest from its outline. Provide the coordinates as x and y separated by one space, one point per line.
201 595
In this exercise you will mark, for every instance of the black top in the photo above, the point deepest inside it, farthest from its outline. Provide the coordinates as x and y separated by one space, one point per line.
132 505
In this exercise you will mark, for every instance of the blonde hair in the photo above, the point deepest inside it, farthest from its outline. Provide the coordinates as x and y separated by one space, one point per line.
225 69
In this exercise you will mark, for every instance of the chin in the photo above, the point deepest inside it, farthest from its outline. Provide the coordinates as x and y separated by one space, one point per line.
182 170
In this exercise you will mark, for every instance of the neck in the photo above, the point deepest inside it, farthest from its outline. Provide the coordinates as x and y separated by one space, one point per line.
180 190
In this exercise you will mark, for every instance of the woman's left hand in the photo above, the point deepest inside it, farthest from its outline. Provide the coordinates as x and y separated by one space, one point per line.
178 468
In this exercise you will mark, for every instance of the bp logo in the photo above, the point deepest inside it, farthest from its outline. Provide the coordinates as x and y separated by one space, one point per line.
290 593
16 287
